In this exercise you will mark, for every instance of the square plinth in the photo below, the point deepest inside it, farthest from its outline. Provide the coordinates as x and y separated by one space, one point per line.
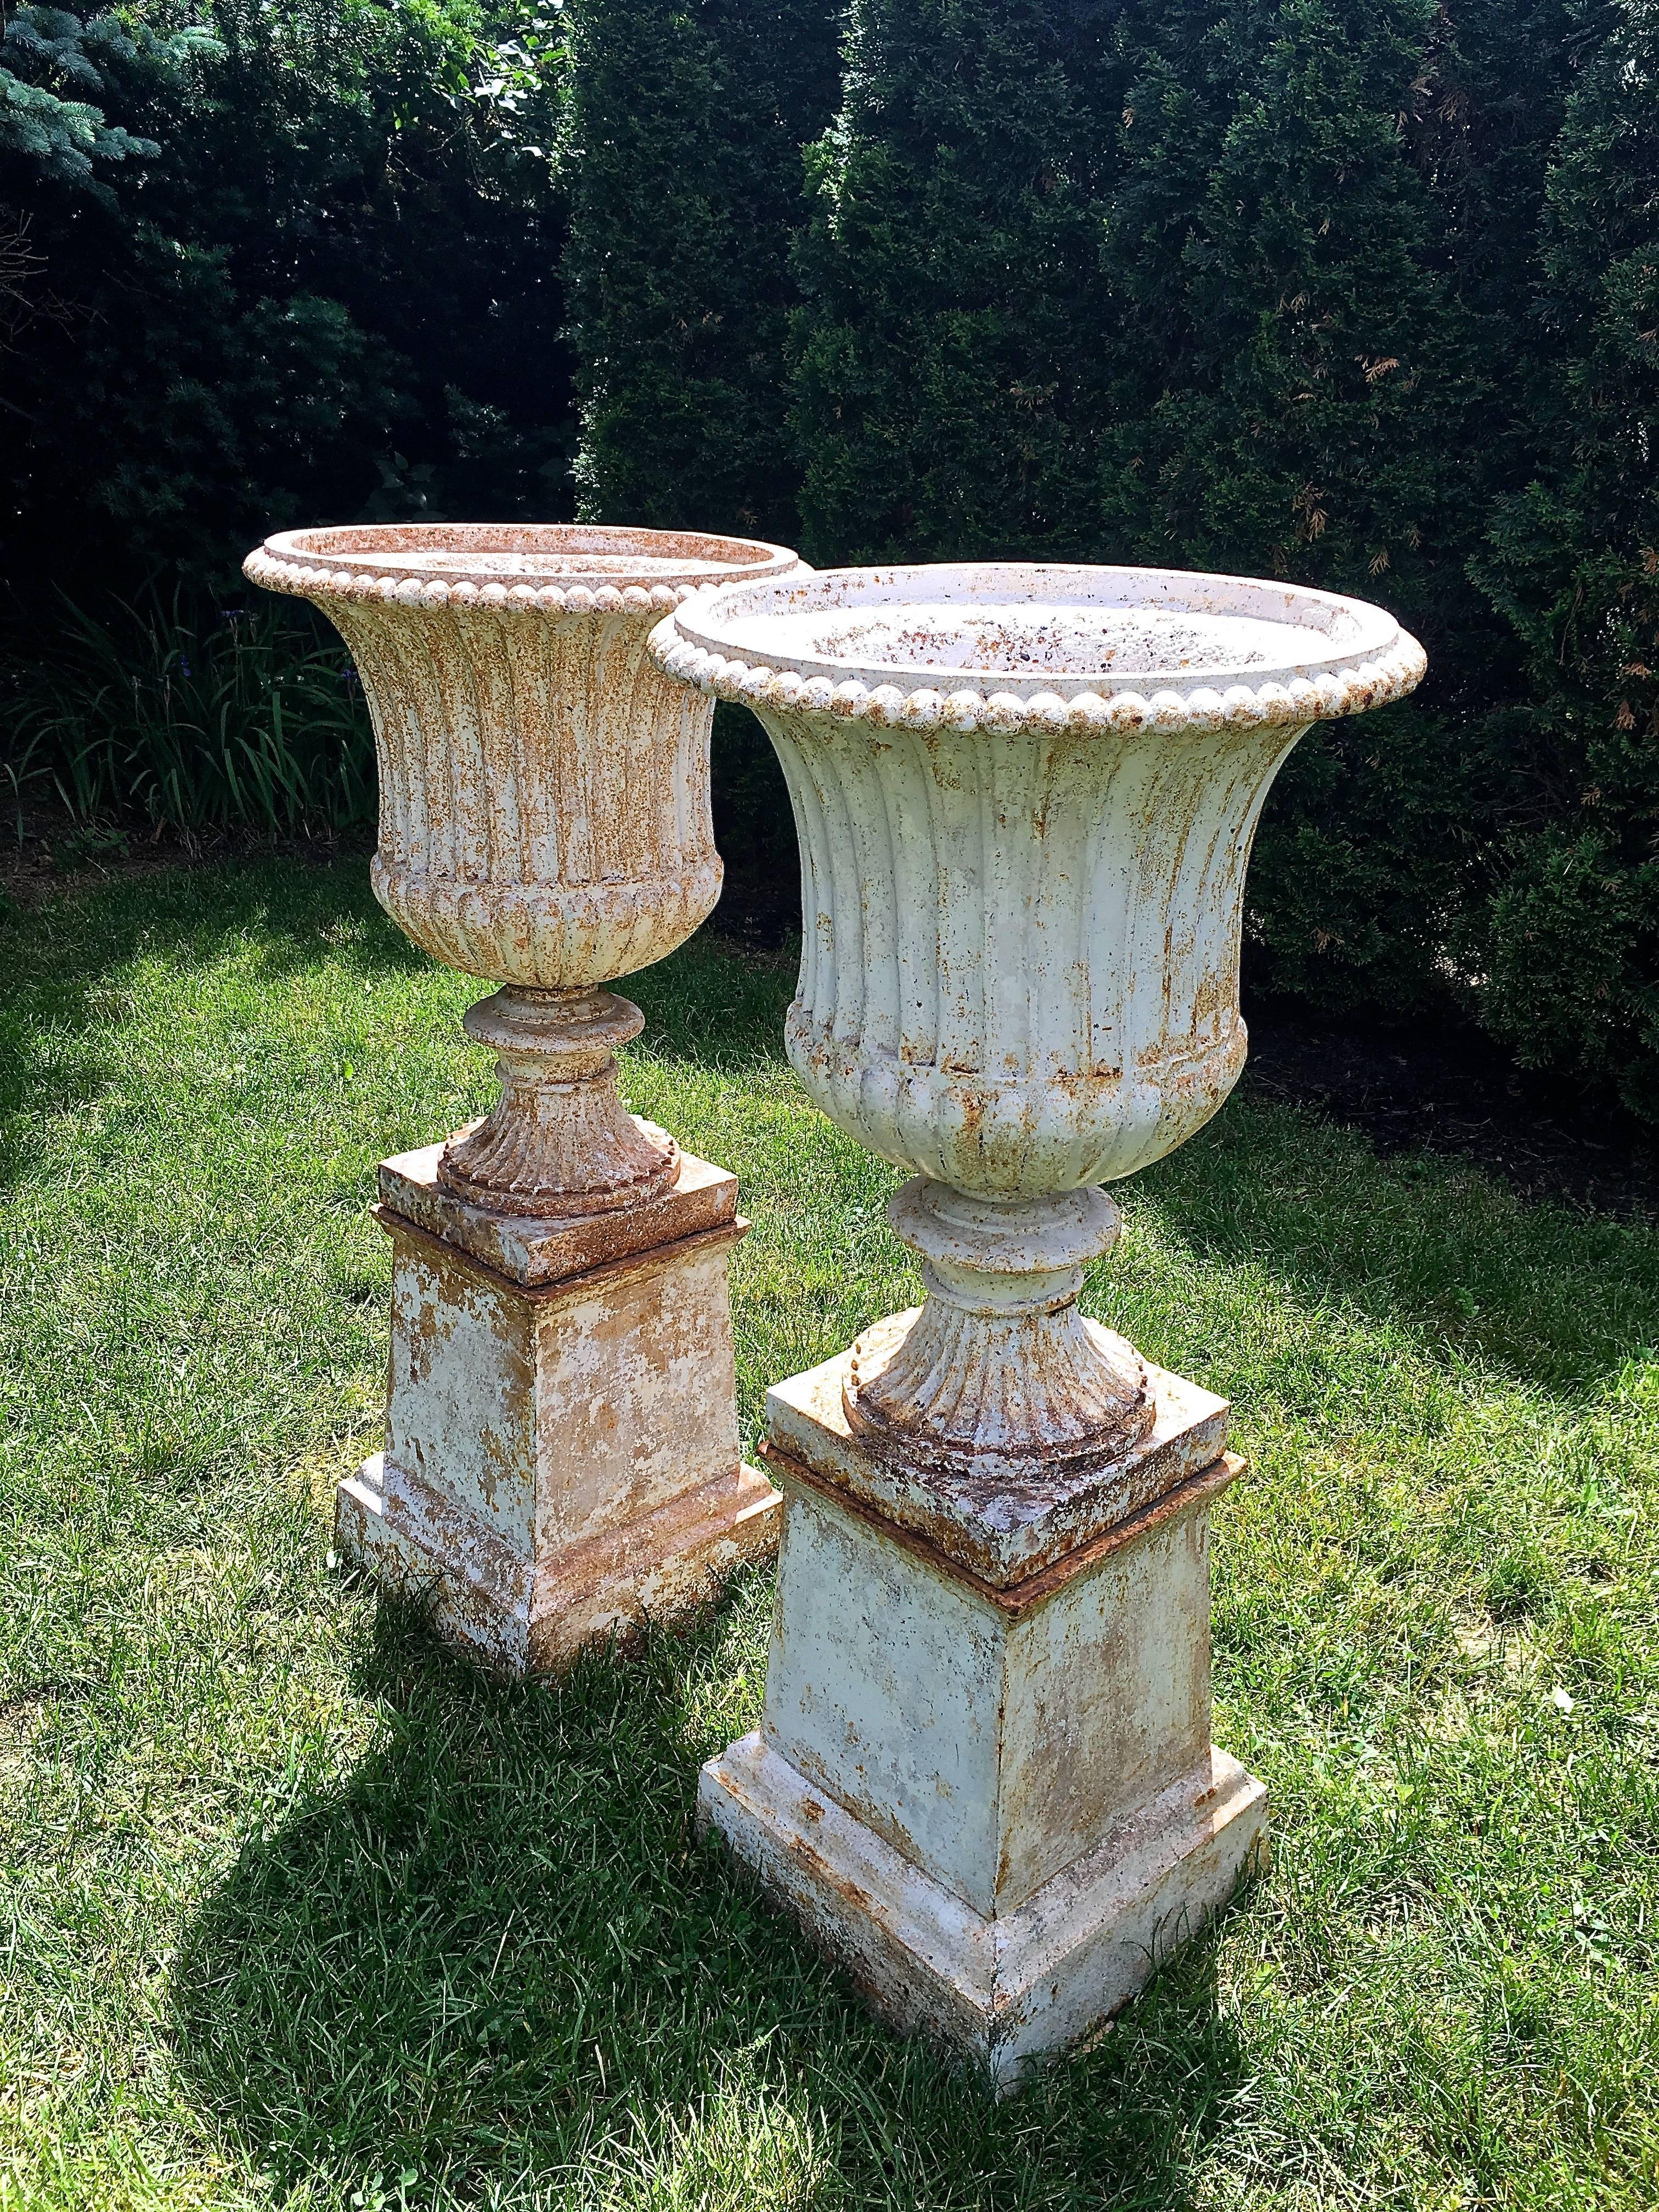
993 1793
532 1251
561 1461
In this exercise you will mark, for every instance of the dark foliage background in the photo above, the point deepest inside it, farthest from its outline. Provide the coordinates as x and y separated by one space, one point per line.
326 288
686 123
1360 292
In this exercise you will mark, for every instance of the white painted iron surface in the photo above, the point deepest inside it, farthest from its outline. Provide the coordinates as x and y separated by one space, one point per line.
1026 796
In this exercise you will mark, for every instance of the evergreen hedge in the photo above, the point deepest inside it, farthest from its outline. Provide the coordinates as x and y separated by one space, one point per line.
685 124
683 146
1357 292
1572 564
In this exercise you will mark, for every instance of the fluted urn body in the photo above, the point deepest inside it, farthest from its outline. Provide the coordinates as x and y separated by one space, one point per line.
544 807
1026 796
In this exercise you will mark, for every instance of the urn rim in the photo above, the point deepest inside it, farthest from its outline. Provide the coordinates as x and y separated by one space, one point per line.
557 565
1011 645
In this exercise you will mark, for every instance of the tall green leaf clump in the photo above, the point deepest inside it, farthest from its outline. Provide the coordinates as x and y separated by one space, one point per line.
246 720
686 123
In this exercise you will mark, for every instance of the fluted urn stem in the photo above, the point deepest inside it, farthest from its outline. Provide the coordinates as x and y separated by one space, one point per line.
998 1376
560 1141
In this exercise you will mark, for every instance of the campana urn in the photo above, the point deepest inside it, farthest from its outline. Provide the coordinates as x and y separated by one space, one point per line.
562 1458
1026 796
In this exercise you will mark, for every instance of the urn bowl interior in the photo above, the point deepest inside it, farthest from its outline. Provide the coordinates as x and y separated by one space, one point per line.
530 553
1025 625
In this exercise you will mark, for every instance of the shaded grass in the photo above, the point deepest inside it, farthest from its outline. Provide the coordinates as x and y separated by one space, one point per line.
296 1906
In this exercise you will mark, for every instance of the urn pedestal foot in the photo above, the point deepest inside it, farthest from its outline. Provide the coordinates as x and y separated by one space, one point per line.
559 1141
983 1777
997 1375
562 1460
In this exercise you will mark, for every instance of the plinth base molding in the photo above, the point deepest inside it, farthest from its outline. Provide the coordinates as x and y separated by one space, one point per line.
1004 1993
517 1619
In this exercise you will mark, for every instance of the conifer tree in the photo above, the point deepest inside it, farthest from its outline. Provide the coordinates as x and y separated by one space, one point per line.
50 60
957 346
1312 419
687 123
1152 283
1573 562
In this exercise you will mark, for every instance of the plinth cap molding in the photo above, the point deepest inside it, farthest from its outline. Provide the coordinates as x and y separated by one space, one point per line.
1019 646
543 567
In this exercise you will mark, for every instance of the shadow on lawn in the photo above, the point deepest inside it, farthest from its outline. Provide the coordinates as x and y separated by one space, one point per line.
1428 1245
495 1950
61 1009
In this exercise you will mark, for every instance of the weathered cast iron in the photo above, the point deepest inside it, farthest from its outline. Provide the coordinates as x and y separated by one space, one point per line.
1026 797
562 1455
545 818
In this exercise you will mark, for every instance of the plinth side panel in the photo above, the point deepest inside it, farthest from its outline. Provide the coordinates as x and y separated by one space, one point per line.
1107 1695
883 1686
460 1404
636 1395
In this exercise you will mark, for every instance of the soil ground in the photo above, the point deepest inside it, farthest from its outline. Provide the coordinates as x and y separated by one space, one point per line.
1452 1090
46 853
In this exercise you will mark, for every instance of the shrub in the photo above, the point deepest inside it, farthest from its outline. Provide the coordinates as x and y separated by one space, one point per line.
1170 283
199 717
319 281
1573 562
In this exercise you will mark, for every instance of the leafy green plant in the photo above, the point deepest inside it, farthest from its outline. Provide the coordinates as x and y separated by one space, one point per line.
330 287
231 719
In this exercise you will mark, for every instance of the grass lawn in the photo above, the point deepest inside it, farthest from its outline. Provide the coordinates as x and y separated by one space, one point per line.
298 1909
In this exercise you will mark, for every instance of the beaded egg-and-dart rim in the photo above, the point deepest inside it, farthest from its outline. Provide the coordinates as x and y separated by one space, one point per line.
287 563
